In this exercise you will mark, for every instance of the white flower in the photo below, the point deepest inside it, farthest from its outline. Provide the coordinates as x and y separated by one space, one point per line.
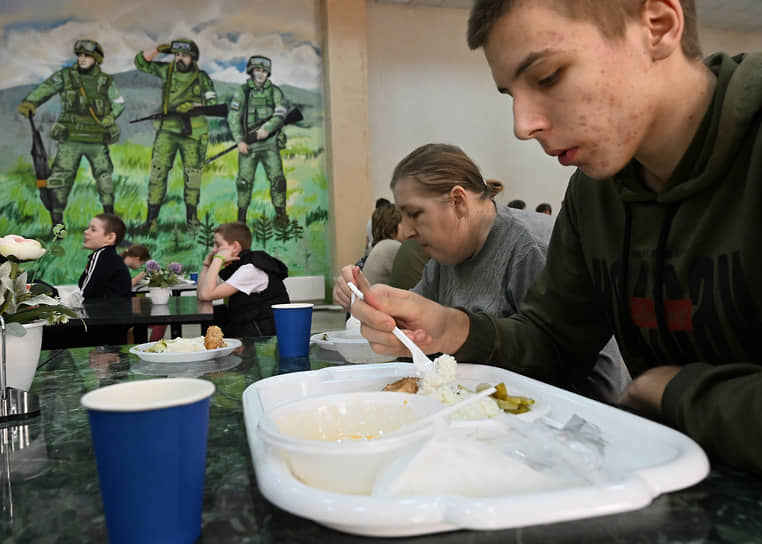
23 300
24 249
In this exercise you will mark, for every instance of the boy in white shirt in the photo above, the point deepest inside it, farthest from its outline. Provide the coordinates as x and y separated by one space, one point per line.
251 281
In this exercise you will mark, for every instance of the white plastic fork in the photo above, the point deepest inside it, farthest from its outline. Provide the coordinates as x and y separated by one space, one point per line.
422 363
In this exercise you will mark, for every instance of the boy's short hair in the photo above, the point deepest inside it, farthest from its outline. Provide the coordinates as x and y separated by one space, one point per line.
113 223
235 232
610 16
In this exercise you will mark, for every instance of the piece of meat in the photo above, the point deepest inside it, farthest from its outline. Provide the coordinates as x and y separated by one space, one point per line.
404 385
213 338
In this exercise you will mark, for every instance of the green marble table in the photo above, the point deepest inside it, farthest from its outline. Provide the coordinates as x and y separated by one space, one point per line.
50 489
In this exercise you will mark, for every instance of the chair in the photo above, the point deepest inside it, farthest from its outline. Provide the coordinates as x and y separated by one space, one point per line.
305 288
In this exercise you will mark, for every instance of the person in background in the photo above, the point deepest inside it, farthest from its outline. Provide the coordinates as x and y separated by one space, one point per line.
657 239
544 208
408 264
386 243
483 257
517 204
369 227
251 281
105 275
135 257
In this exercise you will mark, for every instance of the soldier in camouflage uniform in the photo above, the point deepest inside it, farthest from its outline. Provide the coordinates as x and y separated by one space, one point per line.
90 104
184 87
256 101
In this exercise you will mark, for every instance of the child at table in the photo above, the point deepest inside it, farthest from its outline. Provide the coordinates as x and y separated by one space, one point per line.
251 281
105 275
135 257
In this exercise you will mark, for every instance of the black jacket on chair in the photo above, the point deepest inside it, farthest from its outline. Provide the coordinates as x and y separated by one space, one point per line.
251 315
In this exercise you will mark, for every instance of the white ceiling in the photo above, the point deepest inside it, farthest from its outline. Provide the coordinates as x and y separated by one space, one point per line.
725 14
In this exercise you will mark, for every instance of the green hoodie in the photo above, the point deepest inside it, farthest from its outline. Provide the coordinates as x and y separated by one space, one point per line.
691 251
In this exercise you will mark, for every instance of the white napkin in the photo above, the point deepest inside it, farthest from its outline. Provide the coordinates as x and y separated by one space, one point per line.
452 464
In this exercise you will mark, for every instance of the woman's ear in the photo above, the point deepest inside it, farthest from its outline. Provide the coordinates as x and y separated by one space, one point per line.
459 199
664 23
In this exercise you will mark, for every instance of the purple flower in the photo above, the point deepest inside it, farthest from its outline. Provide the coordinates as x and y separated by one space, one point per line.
175 268
152 266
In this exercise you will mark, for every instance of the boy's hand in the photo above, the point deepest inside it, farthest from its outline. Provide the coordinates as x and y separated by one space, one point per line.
226 254
208 258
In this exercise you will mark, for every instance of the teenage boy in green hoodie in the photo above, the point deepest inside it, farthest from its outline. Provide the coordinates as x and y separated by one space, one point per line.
658 238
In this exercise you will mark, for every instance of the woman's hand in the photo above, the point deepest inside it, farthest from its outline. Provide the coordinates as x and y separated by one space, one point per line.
341 293
435 328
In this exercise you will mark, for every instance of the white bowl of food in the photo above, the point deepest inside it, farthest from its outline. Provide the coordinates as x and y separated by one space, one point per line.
342 442
354 348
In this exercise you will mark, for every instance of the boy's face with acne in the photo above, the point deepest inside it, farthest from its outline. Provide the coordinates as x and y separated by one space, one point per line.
587 99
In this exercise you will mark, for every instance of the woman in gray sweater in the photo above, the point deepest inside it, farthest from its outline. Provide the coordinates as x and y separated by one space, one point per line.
484 257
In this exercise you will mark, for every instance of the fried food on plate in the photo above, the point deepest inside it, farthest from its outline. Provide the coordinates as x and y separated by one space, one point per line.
213 338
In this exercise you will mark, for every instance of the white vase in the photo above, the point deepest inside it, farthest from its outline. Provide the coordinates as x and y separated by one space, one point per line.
159 295
22 353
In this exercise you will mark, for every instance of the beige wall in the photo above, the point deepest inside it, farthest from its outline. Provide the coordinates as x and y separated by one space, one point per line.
346 91
426 85
398 76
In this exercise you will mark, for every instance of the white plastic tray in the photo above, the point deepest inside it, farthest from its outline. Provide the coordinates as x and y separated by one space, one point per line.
643 460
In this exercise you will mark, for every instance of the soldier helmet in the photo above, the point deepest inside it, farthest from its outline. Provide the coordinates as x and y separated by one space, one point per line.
184 47
89 47
259 61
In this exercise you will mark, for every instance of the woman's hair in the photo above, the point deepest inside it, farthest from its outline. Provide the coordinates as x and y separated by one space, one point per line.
235 232
610 16
137 250
385 221
437 168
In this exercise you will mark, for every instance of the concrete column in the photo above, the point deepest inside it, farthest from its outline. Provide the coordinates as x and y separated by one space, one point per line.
345 73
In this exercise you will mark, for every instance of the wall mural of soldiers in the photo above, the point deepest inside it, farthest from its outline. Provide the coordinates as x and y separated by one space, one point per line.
183 128
90 104
183 163
259 107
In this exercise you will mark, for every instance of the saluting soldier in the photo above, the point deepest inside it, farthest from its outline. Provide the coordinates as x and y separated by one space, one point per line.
184 87
257 101
90 104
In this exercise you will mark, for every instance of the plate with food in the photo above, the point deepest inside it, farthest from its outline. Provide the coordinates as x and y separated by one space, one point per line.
321 339
187 350
580 459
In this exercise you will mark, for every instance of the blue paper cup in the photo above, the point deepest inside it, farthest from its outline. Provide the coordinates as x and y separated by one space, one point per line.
292 326
149 439
194 276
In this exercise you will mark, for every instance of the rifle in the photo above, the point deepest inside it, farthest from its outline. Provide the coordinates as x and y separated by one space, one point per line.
217 110
293 116
41 167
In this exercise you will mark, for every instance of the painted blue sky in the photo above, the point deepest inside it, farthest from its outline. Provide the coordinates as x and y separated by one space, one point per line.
37 36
